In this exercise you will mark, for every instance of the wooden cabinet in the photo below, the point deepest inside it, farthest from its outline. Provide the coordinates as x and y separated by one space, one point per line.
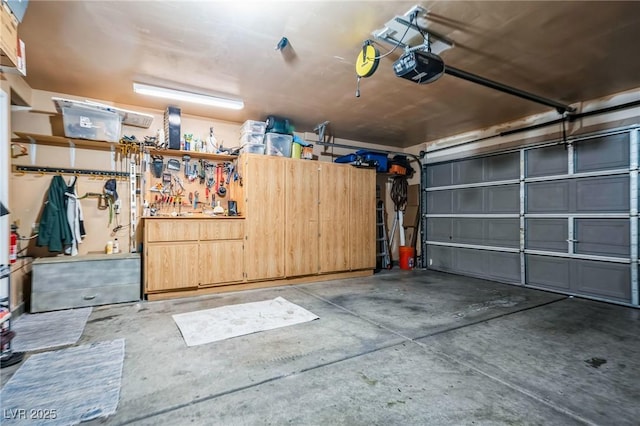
220 262
265 212
328 224
362 219
301 216
334 217
168 266
303 221
171 230
188 253
220 257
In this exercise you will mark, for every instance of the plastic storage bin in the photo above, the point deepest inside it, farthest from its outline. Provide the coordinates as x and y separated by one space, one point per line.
380 160
252 126
90 123
251 138
254 148
277 144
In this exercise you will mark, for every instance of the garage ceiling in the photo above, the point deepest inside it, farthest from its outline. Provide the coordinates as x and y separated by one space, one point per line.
568 51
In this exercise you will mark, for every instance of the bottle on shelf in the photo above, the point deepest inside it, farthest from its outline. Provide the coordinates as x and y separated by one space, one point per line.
116 246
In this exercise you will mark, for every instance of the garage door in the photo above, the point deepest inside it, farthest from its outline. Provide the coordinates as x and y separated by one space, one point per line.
561 217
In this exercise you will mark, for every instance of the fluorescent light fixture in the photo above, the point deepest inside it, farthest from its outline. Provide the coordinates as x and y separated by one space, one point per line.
179 95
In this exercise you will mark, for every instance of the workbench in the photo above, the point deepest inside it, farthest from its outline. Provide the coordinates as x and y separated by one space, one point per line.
302 221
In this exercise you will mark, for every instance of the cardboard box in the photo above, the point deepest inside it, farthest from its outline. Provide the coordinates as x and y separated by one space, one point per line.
413 195
8 36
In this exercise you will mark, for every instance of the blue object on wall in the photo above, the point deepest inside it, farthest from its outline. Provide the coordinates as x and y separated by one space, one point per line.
18 7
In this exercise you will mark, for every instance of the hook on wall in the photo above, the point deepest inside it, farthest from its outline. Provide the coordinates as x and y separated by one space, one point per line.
22 150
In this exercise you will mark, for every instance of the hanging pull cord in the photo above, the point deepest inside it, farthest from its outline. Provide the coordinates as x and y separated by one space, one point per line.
358 87
564 131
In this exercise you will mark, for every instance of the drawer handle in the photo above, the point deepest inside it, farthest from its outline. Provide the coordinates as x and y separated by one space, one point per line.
90 297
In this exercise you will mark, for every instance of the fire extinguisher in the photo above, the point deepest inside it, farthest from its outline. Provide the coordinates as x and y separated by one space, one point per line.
13 246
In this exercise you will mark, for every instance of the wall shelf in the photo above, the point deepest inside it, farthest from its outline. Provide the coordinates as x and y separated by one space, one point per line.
107 146
63 170
193 154
64 141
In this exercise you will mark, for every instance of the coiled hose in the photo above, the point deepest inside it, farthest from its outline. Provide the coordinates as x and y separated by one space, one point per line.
399 190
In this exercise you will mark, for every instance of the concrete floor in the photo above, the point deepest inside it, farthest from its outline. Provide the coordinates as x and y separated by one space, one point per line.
408 348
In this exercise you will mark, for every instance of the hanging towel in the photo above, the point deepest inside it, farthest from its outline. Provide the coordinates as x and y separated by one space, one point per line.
74 217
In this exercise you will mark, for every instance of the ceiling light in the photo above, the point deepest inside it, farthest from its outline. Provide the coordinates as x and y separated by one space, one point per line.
179 95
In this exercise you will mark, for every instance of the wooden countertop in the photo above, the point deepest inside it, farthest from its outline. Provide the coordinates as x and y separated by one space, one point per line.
85 257
193 216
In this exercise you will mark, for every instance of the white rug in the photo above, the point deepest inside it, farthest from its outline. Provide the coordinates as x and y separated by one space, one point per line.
211 325
49 329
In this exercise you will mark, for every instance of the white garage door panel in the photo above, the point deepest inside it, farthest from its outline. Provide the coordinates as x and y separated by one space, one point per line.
579 217
546 271
606 280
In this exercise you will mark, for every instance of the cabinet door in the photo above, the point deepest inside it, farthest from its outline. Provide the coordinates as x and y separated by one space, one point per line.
334 217
301 215
264 223
220 262
170 266
362 219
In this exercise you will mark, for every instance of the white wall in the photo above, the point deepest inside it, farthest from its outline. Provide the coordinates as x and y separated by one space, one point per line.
4 184
462 145
43 119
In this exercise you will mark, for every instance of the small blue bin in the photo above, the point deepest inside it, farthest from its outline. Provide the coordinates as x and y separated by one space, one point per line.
349 158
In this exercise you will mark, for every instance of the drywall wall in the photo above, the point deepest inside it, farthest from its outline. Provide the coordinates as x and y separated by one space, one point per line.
4 184
463 145
28 191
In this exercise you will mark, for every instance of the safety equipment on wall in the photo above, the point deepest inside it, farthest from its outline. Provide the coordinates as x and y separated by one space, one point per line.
111 196
110 189
13 244
173 164
157 166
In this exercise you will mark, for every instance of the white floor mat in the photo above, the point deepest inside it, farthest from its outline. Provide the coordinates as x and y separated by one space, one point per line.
221 323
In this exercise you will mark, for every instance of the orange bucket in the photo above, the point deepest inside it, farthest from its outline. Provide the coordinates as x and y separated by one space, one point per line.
406 257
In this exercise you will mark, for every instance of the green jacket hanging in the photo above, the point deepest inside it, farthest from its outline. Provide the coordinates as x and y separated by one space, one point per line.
54 231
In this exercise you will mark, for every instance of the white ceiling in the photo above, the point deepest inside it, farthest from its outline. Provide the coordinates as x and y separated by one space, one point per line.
567 51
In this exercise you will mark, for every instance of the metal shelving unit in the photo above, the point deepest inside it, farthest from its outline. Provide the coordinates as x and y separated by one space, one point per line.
7 357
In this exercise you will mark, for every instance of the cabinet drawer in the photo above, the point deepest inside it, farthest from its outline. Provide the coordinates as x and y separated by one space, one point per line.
222 229
171 230
81 297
